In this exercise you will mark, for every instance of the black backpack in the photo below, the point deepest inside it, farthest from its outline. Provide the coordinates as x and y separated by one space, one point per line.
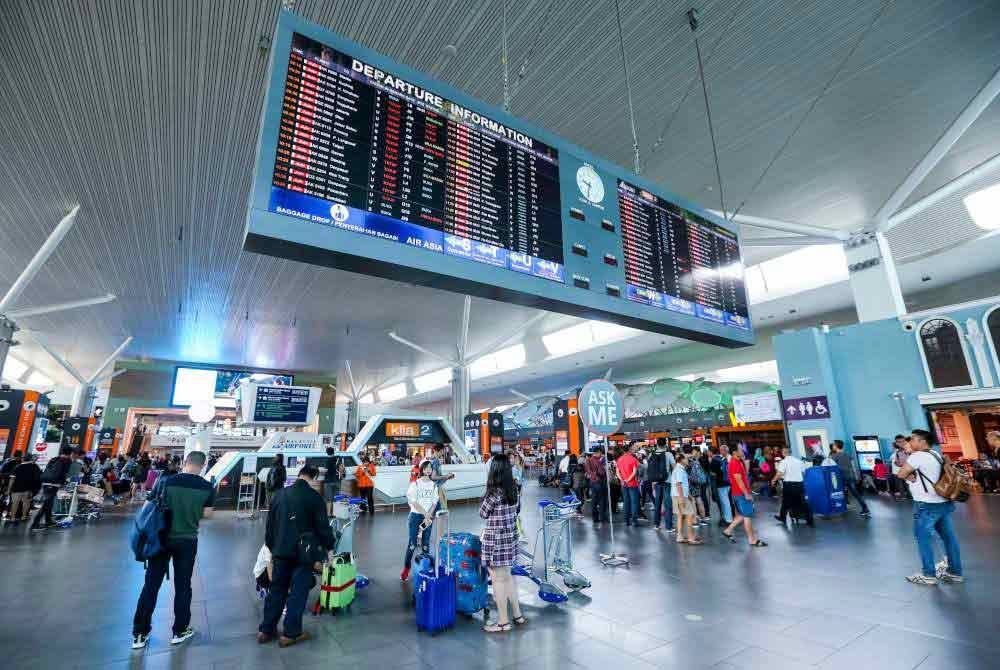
55 471
656 469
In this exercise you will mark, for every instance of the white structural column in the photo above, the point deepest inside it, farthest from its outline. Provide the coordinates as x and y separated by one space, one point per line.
7 329
873 277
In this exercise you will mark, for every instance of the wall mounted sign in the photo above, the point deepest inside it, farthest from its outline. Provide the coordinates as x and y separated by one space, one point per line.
806 409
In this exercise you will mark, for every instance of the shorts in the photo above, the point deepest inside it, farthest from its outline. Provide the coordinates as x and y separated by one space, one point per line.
331 490
744 507
683 506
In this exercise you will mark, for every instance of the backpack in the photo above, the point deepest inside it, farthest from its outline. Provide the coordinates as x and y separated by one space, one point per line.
656 470
953 484
148 535
696 473
54 471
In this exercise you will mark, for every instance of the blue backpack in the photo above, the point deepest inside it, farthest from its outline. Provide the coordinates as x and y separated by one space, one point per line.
149 532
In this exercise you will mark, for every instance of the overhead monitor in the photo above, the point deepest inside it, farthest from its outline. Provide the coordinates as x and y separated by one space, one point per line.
366 165
276 405
757 407
192 385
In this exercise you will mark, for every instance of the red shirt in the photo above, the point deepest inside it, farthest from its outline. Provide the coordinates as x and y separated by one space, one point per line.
628 466
736 468
881 471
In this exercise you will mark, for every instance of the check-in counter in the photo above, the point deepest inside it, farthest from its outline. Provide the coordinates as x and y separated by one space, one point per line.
392 481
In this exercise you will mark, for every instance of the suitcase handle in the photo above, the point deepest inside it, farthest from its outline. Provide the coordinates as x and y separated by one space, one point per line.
445 522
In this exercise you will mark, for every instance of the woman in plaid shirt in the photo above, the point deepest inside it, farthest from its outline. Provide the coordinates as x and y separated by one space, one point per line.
499 510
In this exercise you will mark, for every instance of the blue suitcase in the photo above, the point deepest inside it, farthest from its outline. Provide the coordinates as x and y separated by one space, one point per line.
464 552
435 587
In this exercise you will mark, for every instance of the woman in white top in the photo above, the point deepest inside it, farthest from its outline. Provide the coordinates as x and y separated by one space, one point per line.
931 512
423 497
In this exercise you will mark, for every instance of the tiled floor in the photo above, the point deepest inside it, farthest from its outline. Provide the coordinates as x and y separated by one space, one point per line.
832 597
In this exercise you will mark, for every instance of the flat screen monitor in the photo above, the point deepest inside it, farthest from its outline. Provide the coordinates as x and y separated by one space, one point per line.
192 384
371 167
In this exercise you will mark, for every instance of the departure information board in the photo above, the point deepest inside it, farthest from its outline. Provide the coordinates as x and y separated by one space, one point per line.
366 151
677 260
281 404
369 166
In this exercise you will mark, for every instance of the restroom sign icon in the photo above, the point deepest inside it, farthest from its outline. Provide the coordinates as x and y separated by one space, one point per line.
805 409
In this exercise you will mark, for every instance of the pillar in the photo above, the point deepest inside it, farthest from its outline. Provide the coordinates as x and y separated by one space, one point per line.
7 329
461 382
83 400
873 277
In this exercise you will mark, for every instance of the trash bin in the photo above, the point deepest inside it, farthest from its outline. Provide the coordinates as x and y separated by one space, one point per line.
824 487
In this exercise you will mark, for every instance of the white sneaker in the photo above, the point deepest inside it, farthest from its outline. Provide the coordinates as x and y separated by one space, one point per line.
182 637
140 641
949 578
922 579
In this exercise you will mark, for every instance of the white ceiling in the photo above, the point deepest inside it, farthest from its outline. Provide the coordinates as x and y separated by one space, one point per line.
146 113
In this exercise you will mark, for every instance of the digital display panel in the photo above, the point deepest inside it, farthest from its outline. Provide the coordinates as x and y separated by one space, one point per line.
281 404
678 261
369 152
192 385
369 166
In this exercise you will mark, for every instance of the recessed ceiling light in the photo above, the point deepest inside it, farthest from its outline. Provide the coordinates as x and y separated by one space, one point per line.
984 207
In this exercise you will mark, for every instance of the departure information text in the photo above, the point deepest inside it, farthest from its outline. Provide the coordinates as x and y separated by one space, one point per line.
363 150
677 260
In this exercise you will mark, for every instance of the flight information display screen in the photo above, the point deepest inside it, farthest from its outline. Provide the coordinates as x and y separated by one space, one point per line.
677 260
366 151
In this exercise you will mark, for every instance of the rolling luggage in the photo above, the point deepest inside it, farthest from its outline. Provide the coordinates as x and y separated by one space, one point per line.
464 551
435 590
339 584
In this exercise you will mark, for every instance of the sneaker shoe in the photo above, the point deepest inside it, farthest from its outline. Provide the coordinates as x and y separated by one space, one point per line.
922 579
866 514
140 641
671 530
186 635
404 575
39 529
949 578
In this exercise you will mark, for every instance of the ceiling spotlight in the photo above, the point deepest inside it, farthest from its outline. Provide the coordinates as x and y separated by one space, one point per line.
984 207
450 51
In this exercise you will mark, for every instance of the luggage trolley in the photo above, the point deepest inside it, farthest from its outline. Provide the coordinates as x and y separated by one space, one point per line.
346 511
555 556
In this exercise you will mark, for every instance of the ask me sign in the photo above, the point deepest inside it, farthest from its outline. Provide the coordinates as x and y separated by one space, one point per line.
601 407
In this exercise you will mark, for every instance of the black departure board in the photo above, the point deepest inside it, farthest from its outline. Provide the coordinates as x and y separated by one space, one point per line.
281 404
364 150
680 261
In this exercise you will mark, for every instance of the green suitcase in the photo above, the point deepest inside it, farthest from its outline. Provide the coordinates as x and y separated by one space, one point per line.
338 587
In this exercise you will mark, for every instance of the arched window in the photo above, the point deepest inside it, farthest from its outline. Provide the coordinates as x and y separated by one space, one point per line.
991 324
943 351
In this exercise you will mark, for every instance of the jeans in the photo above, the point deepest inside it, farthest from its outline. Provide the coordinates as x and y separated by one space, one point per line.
851 485
182 552
725 506
599 500
661 500
792 498
48 500
290 585
928 517
631 495
413 526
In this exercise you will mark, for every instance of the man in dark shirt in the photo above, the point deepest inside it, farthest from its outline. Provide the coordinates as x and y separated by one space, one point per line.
276 478
846 464
333 478
25 483
295 512
597 475
190 498
53 478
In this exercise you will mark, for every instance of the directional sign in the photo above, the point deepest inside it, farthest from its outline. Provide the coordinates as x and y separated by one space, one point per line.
806 409
601 407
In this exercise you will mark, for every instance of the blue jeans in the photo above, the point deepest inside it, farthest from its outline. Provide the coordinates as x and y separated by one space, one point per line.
290 585
851 486
661 500
413 525
631 496
928 517
182 552
724 504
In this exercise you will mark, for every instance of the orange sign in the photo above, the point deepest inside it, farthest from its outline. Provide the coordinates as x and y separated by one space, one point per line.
402 429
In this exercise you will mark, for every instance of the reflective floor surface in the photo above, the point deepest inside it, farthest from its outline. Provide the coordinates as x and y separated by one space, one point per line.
829 597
